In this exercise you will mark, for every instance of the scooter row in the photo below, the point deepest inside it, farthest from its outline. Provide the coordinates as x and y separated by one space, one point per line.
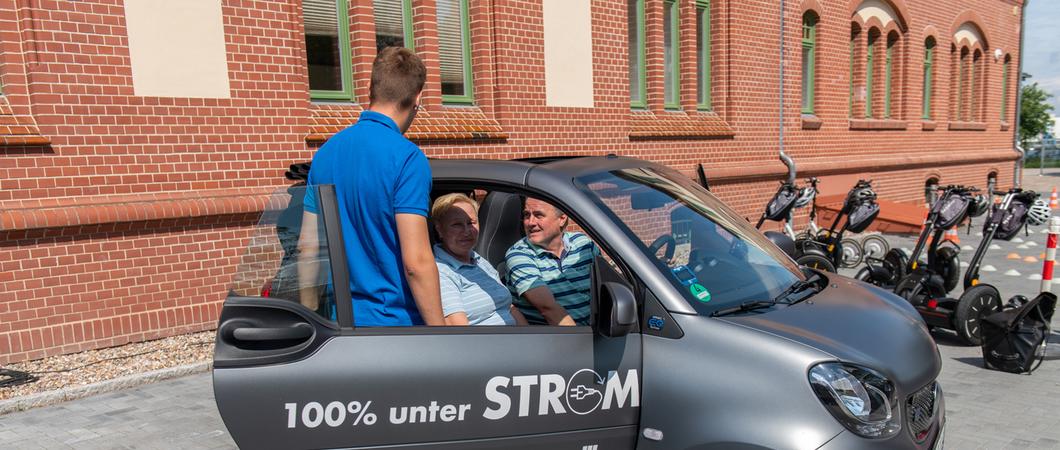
926 284
825 249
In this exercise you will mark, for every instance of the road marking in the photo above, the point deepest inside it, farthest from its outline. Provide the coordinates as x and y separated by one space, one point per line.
1035 277
1012 273
988 268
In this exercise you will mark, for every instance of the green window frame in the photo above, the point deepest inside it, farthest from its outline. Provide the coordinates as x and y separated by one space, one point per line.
929 62
672 69
850 98
809 63
637 80
468 97
406 23
869 69
346 66
703 99
1004 89
887 77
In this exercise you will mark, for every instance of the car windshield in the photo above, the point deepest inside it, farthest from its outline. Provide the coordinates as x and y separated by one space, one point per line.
714 257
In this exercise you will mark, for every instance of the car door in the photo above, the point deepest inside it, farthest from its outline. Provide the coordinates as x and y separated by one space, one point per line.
286 376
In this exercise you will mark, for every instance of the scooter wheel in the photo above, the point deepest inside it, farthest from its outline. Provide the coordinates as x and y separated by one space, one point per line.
864 275
975 303
949 266
852 253
816 262
875 246
896 260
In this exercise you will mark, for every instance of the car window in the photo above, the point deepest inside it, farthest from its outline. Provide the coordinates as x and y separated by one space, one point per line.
273 265
709 253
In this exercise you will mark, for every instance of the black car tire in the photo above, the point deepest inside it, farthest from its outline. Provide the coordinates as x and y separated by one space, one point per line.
977 302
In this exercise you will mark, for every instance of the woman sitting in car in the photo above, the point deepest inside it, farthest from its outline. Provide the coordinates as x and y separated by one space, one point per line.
472 293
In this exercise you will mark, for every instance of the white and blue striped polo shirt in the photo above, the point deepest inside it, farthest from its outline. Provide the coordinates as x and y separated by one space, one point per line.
474 289
568 277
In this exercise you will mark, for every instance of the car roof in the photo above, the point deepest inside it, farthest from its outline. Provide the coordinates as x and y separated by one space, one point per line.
517 172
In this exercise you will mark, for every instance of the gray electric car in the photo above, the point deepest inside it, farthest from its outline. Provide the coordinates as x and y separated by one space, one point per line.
704 335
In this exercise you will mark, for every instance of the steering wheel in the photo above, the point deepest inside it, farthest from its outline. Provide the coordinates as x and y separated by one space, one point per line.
669 242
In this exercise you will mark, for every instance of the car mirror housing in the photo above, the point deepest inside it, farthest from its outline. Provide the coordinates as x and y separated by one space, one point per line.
617 311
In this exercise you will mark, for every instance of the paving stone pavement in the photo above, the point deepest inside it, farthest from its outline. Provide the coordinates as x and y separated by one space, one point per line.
173 414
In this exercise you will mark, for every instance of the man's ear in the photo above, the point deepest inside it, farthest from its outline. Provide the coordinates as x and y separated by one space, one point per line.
419 97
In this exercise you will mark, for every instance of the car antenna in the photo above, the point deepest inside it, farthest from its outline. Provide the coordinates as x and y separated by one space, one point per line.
702 176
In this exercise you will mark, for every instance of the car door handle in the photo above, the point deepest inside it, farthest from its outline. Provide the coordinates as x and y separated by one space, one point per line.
297 331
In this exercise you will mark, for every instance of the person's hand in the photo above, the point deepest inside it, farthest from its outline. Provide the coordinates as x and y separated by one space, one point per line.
566 321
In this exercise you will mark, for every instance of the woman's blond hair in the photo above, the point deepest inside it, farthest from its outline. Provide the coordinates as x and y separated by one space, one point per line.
443 204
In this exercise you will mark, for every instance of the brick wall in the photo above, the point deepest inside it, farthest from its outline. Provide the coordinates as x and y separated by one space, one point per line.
123 217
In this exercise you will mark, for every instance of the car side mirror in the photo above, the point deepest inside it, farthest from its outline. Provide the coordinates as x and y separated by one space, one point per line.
616 311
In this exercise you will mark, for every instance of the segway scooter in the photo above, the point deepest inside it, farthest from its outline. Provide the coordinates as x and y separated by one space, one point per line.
964 315
825 250
955 204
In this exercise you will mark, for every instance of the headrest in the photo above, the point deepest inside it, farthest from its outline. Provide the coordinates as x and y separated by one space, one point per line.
500 219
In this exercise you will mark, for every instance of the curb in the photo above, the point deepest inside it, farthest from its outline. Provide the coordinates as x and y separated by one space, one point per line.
63 395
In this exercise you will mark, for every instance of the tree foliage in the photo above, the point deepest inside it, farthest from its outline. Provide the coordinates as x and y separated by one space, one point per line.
1034 112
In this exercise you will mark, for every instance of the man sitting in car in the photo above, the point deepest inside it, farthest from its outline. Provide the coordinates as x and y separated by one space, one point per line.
549 269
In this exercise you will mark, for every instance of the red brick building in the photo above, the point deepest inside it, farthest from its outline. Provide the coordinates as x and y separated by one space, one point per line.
140 138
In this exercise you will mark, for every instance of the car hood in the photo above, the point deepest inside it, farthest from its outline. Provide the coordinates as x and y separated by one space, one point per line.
861 324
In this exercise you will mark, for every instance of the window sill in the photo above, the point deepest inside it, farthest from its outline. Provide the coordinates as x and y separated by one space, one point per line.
877 124
1004 125
17 130
967 126
811 122
928 125
678 125
444 124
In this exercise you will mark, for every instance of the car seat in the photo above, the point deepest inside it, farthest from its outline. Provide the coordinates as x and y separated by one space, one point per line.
500 218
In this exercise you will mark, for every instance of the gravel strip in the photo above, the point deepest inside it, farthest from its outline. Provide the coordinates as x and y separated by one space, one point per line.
95 366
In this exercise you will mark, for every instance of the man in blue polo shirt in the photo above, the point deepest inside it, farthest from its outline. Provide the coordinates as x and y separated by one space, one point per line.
550 269
383 184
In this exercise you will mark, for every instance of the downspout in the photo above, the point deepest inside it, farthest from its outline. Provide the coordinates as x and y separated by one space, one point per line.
1017 172
784 156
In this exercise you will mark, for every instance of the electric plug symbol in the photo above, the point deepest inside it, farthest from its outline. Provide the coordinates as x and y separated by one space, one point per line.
582 392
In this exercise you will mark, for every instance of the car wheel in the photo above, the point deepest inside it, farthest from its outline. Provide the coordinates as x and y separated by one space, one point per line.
815 261
977 302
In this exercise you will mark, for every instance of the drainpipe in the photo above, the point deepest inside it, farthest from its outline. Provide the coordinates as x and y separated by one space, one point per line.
1017 172
784 156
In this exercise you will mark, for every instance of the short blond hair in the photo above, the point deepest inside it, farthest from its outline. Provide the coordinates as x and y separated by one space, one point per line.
443 204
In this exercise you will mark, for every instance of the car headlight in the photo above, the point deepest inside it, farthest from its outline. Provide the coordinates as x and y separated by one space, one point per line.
862 399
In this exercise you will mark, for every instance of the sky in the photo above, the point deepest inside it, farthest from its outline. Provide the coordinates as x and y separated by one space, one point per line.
1041 52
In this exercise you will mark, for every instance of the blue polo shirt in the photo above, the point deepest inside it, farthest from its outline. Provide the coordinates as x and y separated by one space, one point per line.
377 173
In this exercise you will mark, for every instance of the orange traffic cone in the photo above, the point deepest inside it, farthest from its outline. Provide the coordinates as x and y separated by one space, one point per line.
923 225
1052 199
952 236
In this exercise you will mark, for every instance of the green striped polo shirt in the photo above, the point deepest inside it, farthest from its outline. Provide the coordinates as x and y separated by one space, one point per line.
568 277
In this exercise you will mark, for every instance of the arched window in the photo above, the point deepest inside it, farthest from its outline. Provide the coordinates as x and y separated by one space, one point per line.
809 50
876 60
870 69
1004 87
929 62
888 73
970 74
855 34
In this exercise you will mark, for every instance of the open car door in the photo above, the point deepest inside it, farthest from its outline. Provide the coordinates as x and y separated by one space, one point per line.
286 376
